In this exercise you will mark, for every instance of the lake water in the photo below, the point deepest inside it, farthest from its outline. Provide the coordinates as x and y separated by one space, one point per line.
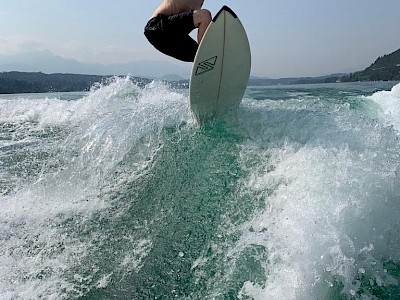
117 194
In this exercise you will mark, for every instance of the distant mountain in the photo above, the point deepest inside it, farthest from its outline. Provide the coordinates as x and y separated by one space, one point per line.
386 67
47 62
258 77
170 77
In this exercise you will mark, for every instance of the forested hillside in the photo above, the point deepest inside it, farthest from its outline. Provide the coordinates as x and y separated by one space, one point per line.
386 67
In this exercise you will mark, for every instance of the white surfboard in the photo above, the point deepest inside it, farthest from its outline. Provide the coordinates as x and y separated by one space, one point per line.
221 68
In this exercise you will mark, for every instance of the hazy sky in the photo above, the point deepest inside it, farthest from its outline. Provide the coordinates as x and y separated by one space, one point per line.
287 37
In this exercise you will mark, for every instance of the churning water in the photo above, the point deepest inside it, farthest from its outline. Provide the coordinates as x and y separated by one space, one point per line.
118 194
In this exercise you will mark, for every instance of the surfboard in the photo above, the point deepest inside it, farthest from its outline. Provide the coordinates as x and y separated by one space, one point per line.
221 68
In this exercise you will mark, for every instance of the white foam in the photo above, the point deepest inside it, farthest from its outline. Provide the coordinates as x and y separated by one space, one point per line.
327 180
100 129
47 110
118 95
133 260
318 220
389 102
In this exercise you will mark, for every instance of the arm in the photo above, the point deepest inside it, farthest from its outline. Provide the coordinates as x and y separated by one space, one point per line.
201 19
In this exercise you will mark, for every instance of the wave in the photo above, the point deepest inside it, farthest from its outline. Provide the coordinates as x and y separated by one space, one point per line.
119 192
389 102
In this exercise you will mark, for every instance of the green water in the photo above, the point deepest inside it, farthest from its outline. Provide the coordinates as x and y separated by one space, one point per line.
117 194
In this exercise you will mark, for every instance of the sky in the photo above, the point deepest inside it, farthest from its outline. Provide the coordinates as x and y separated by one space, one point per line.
288 38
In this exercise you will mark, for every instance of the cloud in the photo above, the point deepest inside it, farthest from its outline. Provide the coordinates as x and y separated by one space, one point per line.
28 46
78 50
100 53
11 45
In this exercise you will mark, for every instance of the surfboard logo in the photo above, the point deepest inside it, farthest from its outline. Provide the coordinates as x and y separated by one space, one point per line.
206 65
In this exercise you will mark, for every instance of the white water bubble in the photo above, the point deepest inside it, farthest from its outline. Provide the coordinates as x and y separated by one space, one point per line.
389 102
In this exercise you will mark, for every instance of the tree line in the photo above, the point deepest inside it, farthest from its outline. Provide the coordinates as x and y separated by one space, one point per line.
37 82
386 67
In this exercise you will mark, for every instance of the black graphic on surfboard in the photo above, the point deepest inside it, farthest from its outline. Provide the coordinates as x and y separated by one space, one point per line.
206 65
